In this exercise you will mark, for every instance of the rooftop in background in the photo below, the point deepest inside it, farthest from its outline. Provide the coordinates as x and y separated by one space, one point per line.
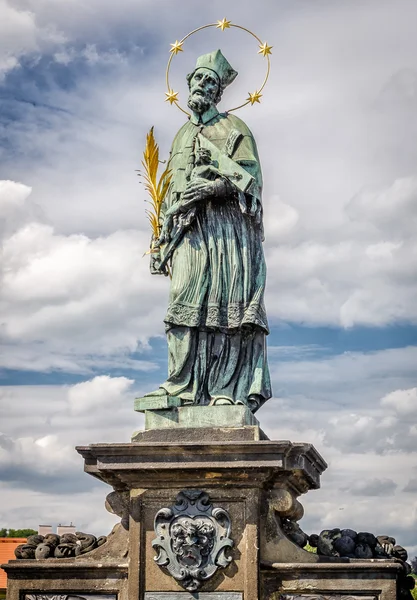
7 546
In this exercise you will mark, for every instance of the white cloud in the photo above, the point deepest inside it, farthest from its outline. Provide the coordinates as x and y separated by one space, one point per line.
41 474
17 35
282 218
349 393
59 410
403 402
371 487
43 358
77 295
21 35
411 486
97 394
367 277
12 197
41 456
84 508
393 209
361 433
64 416
15 207
349 379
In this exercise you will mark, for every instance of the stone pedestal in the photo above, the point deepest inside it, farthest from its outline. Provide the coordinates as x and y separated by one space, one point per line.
247 479
224 497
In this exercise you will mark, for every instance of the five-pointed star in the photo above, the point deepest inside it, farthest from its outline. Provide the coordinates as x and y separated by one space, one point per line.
255 97
264 49
176 47
171 96
223 24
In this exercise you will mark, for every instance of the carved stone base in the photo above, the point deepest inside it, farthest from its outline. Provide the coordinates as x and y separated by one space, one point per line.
239 480
212 518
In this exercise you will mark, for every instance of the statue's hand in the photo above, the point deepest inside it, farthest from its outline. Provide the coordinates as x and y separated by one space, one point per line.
165 236
155 258
155 265
200 189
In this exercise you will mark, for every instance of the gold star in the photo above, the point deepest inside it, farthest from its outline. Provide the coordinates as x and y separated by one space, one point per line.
254 97
265 49
176 47
171 96
223 24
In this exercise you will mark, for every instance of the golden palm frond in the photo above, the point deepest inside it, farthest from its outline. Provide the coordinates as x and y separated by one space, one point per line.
157 190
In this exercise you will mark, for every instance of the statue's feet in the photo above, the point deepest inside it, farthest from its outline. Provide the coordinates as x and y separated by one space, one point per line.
159 392
221 401
253 402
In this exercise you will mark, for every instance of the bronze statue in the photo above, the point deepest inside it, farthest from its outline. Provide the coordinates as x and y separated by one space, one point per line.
211 238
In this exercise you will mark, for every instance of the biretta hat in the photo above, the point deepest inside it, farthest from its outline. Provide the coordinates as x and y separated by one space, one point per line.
215 61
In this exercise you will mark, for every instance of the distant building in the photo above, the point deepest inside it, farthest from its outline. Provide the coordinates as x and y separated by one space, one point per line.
7 547
44 529
61 529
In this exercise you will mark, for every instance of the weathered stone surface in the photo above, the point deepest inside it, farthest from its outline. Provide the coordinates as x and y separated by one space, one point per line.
67 576
118 503
366 579
240 477
241 575
257 483
154 464
202 434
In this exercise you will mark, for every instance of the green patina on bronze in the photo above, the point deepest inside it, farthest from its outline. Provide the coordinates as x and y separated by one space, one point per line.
200 416
211 239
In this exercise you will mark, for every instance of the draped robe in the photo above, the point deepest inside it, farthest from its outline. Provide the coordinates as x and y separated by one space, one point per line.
216 321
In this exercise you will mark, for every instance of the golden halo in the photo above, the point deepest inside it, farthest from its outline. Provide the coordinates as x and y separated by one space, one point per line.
264 49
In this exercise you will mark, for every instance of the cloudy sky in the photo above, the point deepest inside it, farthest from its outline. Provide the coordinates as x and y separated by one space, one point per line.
81 328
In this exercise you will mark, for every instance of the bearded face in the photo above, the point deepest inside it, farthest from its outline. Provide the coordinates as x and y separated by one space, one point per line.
204 90
192 540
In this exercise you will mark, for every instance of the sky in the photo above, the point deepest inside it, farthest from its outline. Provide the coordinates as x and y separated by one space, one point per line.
81 318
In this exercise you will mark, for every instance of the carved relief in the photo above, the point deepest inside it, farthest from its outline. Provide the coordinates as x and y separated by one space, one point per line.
192 539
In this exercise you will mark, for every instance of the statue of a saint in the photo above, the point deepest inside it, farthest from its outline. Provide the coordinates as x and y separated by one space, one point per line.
212 238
